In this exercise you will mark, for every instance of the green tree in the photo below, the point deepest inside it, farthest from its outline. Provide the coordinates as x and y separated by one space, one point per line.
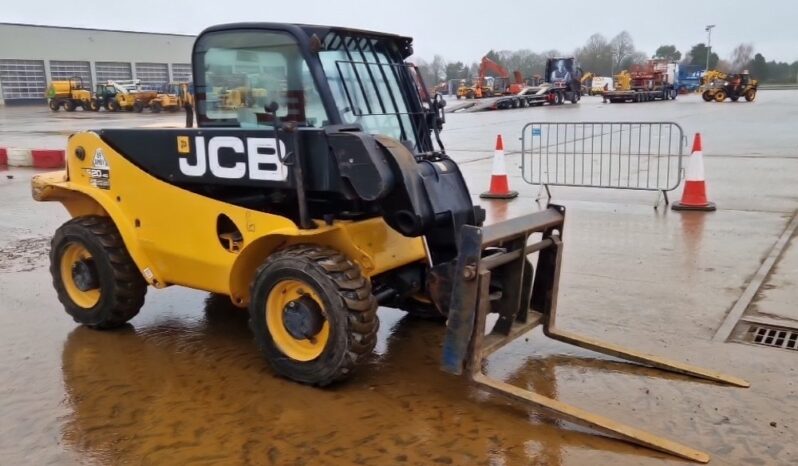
668 52
456 70
759 67
698 56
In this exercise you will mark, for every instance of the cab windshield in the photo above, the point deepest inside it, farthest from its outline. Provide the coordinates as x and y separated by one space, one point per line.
367 86
243 72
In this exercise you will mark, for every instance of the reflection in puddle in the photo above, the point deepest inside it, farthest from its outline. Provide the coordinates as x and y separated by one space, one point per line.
187 390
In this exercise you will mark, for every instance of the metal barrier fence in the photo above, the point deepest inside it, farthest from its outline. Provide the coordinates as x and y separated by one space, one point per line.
618 155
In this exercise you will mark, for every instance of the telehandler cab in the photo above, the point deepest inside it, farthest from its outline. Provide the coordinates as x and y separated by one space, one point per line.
335 197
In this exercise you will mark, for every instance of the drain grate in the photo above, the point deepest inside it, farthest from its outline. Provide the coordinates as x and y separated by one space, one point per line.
772 336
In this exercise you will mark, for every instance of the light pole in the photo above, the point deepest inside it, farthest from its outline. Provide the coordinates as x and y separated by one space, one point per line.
709 42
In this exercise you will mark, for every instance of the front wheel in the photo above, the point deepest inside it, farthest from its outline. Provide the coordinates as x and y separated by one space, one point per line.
94 105
720 95
312 314
750 95
138 106
94 276
113 106
707 96
69 105
155 107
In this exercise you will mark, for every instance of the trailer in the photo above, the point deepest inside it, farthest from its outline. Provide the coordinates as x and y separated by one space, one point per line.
656 80
561 83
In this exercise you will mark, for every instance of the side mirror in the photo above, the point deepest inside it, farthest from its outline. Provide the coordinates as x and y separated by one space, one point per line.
272 107
439 100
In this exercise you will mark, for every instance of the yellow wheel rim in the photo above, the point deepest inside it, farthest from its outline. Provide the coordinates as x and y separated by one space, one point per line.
279 297
74 253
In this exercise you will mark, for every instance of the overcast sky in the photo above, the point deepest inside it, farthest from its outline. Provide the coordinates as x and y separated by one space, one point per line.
458 30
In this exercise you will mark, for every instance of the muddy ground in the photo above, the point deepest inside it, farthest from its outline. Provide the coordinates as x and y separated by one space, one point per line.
184 383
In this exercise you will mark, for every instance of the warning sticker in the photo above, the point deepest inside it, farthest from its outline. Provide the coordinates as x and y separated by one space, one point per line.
99 159
100 173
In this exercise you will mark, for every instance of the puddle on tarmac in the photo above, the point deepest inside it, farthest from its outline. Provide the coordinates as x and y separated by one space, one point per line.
194 391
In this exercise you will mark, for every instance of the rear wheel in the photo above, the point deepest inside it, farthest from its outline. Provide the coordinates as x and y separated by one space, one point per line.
113 106
69 105
707 96
94 106
312 314
95 278
750 95
54 105
138 106
720 95
734 98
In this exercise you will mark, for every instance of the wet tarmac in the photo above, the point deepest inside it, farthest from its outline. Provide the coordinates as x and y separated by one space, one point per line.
184 383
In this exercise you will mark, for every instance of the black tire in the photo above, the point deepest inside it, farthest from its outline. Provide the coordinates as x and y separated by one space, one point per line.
113 105
575 97
54 105
707 96
720 95
155 107
734 98
349 307
69 105
119 283
750 95
138 106
94 105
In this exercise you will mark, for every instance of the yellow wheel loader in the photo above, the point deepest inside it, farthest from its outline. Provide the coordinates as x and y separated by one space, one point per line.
310 211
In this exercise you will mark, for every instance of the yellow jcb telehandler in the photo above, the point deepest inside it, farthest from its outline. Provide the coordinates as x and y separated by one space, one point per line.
718 86
335 197
172 98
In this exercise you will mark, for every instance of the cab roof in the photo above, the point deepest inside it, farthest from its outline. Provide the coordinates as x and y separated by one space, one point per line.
307 30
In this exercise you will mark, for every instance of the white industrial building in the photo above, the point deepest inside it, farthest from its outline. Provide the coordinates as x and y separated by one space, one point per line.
31 56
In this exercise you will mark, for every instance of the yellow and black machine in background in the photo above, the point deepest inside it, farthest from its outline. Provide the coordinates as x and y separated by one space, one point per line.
70 94
718 86
173 97
310 211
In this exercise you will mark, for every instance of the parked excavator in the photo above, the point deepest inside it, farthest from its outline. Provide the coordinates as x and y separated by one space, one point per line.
311 211
490 86
718 86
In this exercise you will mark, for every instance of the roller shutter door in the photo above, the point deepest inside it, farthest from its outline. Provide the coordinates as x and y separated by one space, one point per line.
22 79
112 71
63 70
181 72
152 75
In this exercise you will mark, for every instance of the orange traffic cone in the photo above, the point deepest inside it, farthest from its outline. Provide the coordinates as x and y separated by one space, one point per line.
694 196
499 185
